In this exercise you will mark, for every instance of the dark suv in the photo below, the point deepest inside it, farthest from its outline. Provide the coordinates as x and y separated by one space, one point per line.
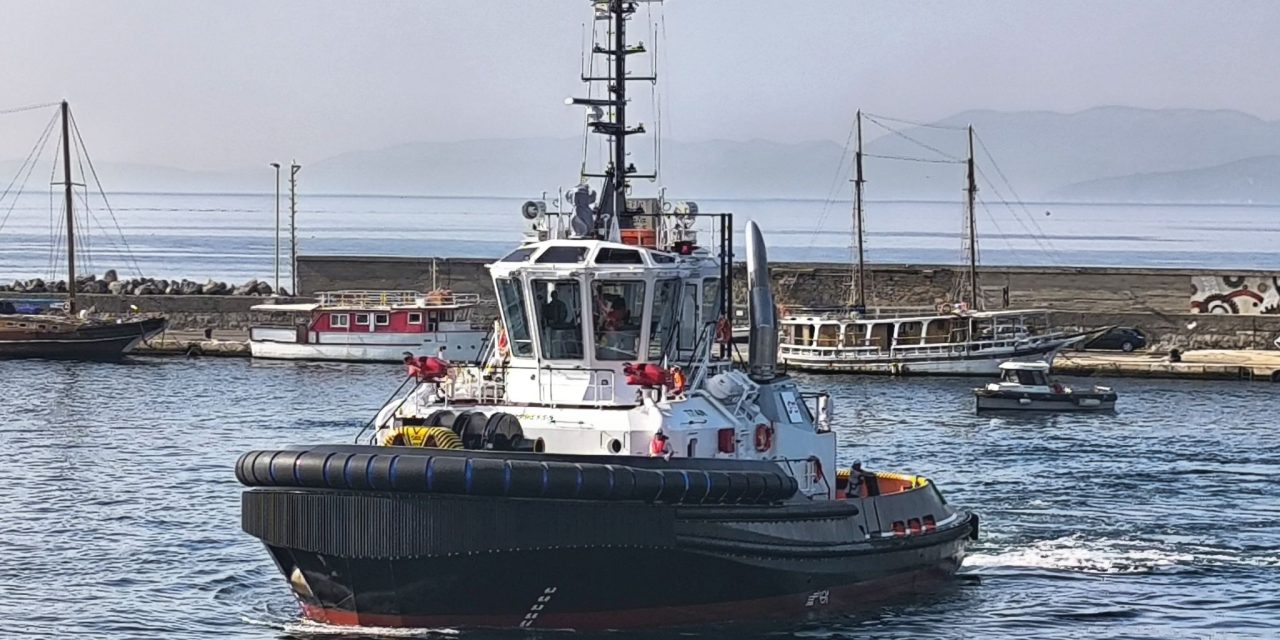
1121 338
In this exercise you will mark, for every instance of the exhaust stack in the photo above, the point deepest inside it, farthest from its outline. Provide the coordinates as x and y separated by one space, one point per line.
762 351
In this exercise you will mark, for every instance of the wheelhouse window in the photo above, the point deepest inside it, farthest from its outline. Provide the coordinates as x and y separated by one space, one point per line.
690 330
559 305
519 255
617 309
711 300
381 319
662 323
562 255
415 317
362 319
609 255
514 316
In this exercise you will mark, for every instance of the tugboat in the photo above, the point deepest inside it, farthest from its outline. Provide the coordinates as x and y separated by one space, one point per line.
1026 386
603 467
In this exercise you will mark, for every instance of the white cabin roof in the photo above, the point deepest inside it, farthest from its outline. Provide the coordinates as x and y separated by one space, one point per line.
1040 365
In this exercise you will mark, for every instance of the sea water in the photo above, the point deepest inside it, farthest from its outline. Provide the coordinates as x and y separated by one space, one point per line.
121 509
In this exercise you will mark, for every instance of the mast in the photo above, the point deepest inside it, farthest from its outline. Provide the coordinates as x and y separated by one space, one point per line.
613 199
972 193
71 218
619 89
860 301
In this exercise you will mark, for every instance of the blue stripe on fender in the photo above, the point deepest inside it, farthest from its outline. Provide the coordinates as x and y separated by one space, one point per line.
466 477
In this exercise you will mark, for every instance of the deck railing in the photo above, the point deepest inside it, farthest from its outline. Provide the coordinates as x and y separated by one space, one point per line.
358 299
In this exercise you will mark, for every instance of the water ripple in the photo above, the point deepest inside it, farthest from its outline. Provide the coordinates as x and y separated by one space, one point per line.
1162 521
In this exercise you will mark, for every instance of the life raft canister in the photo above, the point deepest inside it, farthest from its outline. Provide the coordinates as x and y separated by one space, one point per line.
764 437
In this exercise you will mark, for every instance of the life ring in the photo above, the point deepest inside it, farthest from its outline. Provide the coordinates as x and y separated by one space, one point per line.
945 308
764 437
413 436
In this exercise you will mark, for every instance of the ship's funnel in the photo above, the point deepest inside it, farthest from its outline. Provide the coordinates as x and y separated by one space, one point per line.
762 352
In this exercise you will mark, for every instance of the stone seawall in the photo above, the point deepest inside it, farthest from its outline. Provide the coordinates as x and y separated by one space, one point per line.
1156 300
187 313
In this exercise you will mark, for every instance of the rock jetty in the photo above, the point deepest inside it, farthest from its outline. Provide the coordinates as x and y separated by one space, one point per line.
111 283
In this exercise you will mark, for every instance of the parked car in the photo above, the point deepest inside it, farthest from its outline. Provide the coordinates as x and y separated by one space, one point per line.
1118 338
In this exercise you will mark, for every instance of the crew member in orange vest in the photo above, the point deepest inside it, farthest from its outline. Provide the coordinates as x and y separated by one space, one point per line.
659 446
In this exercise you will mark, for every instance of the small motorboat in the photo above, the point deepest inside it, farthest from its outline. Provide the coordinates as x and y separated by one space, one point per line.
1026 386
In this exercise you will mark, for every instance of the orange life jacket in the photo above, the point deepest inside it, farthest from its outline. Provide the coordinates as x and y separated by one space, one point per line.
657 447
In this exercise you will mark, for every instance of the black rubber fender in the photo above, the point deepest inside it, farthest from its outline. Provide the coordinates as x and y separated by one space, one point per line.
487 473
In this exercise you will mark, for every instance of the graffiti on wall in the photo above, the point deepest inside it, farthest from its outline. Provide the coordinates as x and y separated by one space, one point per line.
1236 295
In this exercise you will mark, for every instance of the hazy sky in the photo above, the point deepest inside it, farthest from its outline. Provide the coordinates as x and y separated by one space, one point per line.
230 83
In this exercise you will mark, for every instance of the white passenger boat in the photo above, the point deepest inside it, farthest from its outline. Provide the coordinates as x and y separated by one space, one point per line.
953 338
371 326
902 342
1027 386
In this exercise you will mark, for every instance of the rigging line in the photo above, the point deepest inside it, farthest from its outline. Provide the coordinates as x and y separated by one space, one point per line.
94 172
84 237
666 104
40 140
1007 182
29 165
53 223
913 123
996 226
835 184
1038 234
904 136
30 107
910 159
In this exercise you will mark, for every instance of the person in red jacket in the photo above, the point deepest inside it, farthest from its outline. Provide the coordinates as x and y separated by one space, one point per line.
660 446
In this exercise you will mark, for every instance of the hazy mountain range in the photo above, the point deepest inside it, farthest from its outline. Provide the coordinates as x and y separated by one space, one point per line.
1112 154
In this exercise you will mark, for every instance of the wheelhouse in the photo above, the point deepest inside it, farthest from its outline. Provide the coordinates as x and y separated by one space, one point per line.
575 311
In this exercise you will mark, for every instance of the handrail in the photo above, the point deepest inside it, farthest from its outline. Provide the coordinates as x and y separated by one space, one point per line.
356 298
384 404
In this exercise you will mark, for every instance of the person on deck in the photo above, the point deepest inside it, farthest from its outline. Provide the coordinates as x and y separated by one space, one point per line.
660 446
554 312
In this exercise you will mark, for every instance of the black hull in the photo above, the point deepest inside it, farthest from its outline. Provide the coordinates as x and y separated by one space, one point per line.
91 342
398 558
607 588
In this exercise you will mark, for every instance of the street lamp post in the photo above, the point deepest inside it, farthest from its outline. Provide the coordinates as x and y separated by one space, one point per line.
277 259
293 226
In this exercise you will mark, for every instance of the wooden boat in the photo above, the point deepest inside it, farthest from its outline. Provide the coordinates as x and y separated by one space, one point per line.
951 338
371 326
71 335
58 337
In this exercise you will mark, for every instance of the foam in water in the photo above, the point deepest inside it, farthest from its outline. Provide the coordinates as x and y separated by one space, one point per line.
1078 554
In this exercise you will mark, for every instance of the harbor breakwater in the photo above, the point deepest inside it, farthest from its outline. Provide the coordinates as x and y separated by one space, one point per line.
1159 301
1177 308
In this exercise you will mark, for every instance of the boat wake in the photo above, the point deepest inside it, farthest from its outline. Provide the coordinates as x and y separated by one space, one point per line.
304 627
1077 554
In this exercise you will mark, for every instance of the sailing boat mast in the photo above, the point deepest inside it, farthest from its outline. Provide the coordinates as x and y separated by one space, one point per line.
71 218
971 219
860 288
